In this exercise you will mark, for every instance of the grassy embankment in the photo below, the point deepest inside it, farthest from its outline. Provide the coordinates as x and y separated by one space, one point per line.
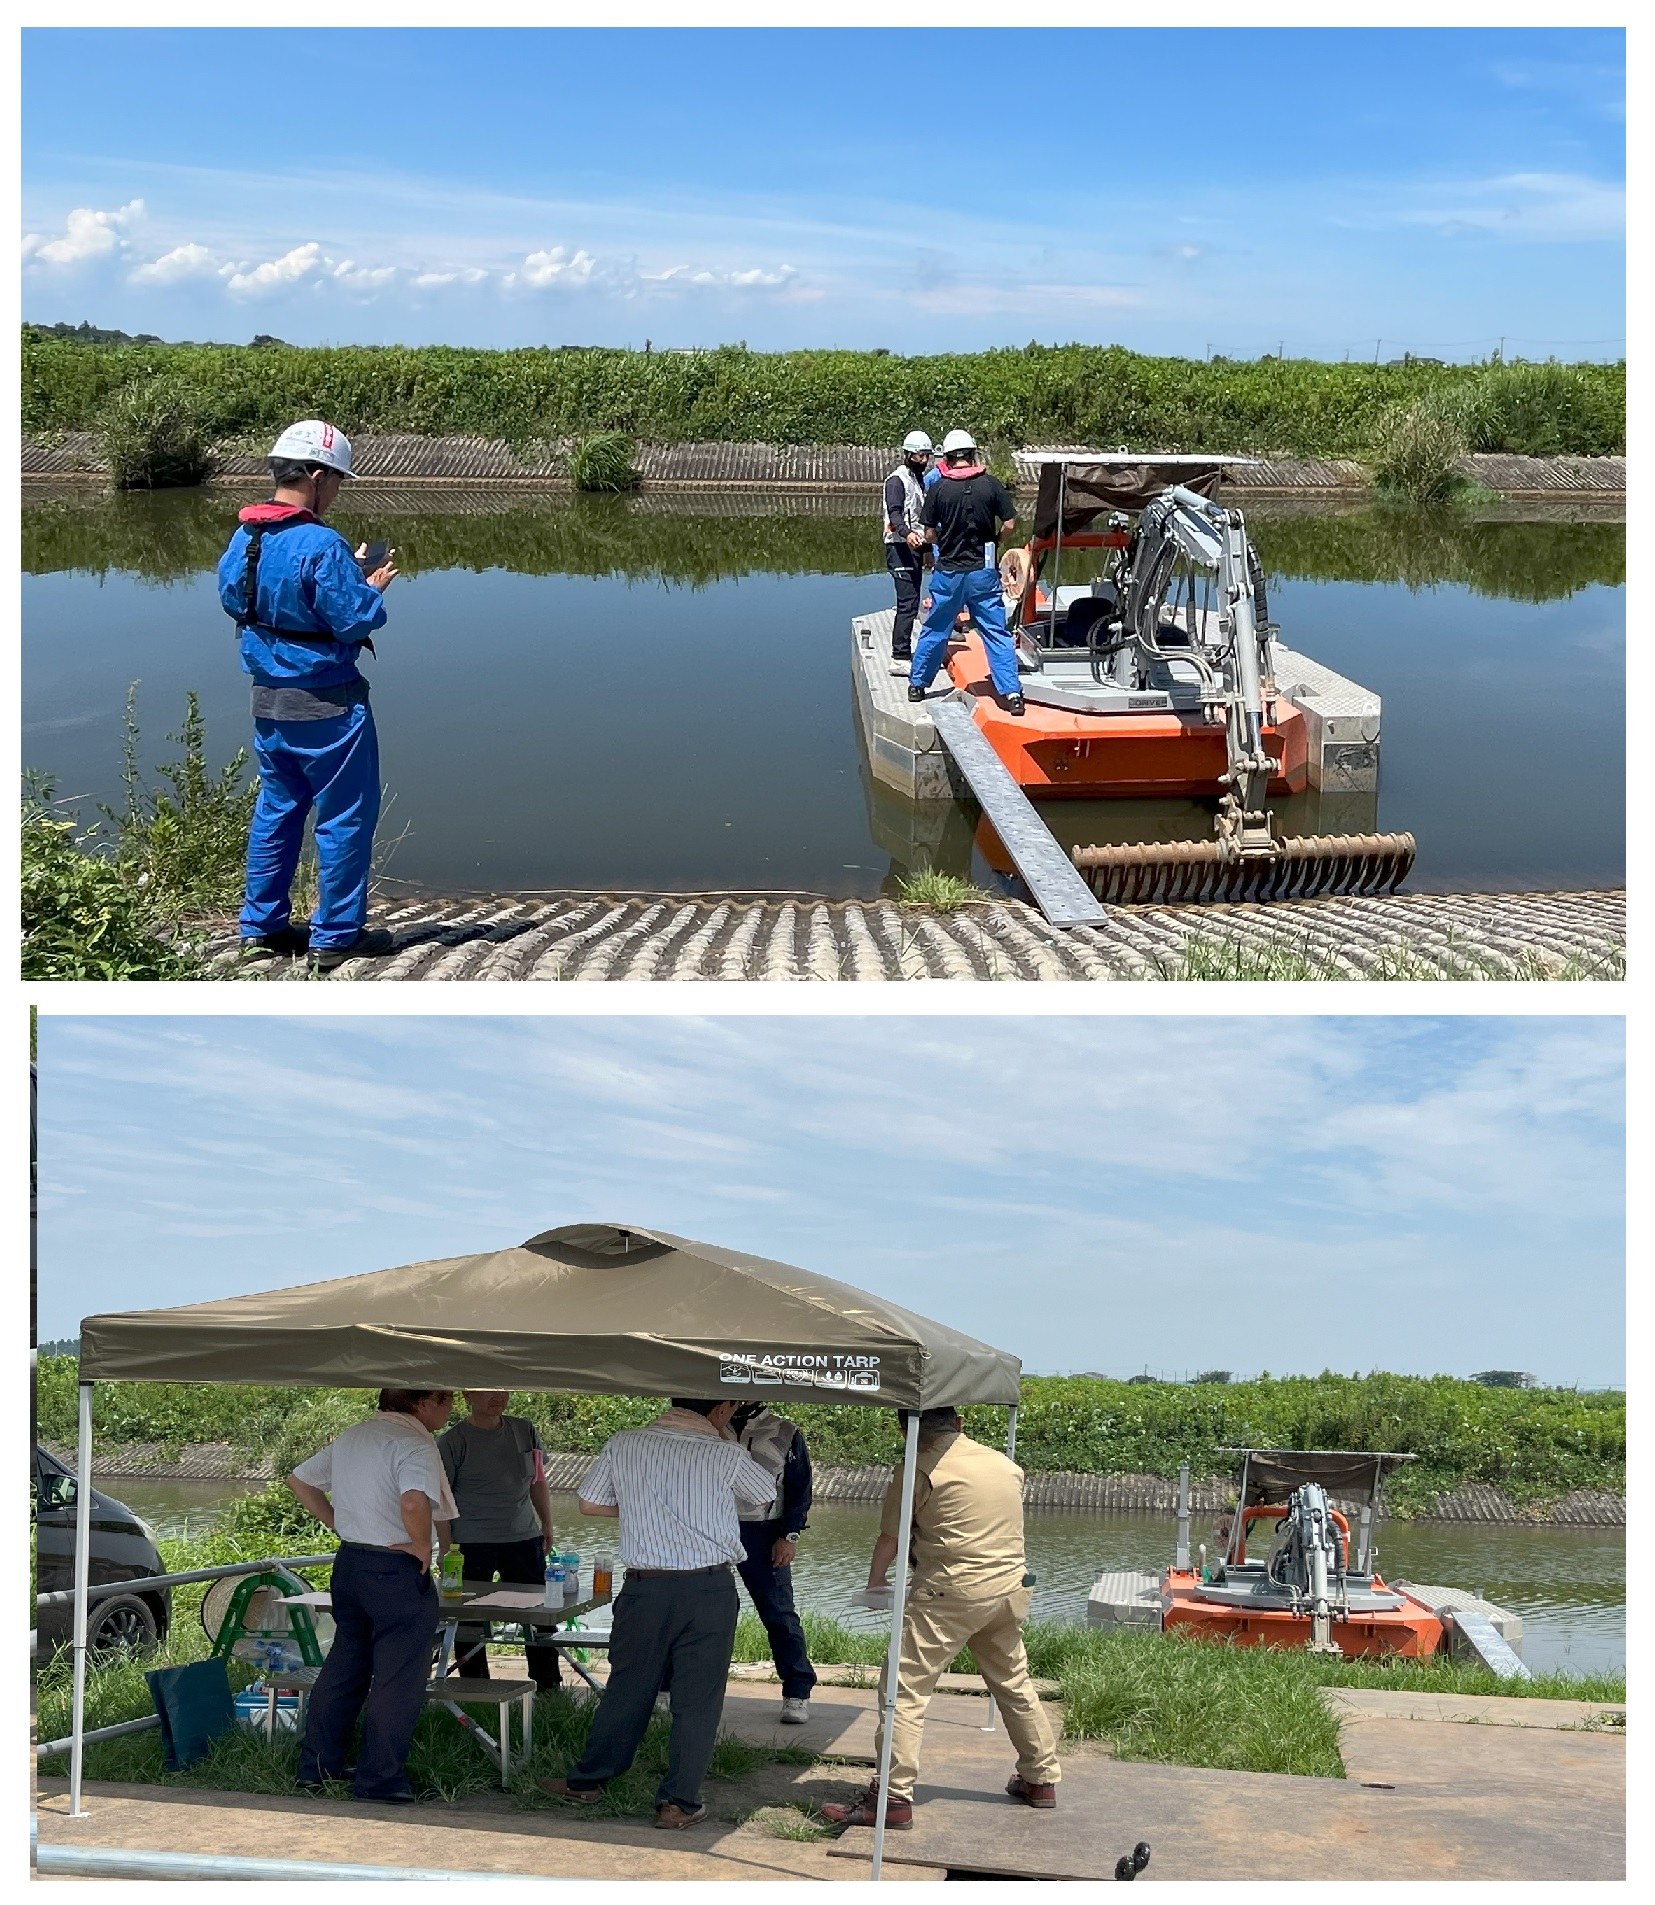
1535 1444
163 410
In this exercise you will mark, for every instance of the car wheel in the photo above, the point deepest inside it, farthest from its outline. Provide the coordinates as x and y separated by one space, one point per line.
122 1624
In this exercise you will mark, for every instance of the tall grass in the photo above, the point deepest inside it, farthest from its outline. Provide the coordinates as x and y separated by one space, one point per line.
1417 447
1537 1444
602 462
156 434
1065 393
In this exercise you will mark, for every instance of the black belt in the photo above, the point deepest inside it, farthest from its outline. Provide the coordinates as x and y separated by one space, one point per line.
719 1567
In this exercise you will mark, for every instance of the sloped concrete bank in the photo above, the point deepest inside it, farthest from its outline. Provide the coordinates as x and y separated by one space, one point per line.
1471 1502
768 466
690 936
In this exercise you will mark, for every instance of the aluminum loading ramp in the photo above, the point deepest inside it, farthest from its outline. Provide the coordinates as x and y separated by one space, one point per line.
1057 889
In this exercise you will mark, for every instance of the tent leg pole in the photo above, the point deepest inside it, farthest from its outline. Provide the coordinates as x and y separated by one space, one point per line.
83 1581
893 1654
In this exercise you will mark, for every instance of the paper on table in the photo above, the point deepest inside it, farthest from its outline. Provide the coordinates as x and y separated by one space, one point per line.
511 1597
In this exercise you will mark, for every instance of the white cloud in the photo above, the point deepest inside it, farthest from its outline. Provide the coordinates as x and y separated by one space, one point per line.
542 269
175 266
87 235
1530 207
355 277
430 280
278 273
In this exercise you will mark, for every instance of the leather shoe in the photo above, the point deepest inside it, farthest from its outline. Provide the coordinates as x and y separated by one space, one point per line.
1042 1797
864 1810
673 1817
576 1795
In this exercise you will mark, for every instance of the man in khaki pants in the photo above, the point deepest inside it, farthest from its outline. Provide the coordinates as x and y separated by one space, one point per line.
967 1590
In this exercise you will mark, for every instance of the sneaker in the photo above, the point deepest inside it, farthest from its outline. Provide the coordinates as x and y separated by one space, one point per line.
288 942
915 694
1013 704
673 1817
864 1810
795 1712
901 664
374 944
1042 1797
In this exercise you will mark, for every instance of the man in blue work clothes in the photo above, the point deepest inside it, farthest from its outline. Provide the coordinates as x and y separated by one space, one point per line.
304 612
771 1537
964 515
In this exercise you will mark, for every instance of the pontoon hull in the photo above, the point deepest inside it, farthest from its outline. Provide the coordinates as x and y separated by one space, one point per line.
1412 1631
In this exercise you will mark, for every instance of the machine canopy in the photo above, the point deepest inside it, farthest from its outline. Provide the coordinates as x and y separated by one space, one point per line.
598 1309
1094 488
1273 1474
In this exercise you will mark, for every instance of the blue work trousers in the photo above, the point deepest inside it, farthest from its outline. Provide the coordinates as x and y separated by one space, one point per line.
979 591
330 768
772 1591
385 1618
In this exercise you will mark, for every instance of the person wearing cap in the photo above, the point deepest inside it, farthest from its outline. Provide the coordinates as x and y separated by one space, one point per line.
677 1487
770 1534
968 1589
905 541
304 611
964 516
381 1488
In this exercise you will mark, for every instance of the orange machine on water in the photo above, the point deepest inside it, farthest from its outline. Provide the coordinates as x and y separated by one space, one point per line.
1301 1585
1158 679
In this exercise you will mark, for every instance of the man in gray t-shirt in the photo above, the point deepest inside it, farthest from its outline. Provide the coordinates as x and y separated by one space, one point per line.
496 1468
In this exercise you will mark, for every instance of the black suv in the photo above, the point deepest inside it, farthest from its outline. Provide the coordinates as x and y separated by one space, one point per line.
121 1551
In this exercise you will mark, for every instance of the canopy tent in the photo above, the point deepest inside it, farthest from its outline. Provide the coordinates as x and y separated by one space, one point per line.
601 1309
1076 487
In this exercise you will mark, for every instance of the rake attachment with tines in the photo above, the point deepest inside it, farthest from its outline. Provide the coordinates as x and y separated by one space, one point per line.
1183 872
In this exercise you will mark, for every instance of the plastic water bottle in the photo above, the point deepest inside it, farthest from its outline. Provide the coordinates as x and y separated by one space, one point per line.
554 1580
571 1577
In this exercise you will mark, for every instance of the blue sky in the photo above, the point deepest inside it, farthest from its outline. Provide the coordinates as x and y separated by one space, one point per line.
1091 1193
1329 192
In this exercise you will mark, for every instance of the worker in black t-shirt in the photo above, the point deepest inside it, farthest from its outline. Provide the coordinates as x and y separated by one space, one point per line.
964 515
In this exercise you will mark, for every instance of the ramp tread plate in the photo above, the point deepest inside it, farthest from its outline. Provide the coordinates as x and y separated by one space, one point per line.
1059 891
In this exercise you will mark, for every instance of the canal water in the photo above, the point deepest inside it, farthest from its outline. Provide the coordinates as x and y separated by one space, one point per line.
1568 1584
654 694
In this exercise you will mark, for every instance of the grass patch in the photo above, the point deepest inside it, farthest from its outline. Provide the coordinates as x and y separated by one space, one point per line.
156 434
603 463
935 891
791 1822
1417 447
1235 959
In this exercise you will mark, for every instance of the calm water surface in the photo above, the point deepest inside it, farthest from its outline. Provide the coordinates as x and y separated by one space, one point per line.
1568 1584
585 693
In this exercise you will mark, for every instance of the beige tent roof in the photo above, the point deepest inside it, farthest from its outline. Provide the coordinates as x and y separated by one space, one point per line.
605 1309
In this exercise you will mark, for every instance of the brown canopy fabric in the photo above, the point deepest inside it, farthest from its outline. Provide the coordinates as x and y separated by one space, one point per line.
1273 1474
601 1309
1094 488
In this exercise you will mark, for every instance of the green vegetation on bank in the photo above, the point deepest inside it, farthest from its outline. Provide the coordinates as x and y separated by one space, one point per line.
177 536
104 901
1071 393
1536 1444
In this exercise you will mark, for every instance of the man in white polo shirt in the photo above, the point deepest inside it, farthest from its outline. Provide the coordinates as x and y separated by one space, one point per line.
386 1483
676 1487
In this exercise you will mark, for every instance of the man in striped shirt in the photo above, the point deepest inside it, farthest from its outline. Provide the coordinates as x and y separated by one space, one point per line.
677 1487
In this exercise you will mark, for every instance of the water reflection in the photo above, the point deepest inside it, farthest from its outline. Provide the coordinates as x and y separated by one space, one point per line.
652 693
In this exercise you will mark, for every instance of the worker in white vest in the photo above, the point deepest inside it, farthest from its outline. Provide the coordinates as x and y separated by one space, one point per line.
771 1537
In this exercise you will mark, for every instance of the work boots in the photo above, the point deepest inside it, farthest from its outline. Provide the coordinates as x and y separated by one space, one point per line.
864 1811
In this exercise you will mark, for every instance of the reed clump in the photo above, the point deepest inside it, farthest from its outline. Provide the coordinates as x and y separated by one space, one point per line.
157 434
603 463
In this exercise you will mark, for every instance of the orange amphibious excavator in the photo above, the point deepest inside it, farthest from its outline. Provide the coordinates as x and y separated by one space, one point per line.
1304 1589
1158 679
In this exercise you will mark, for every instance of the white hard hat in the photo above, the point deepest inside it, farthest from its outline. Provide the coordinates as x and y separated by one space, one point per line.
917 443
958 440
315 442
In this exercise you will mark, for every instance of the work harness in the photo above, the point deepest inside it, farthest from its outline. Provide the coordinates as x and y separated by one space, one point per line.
249 616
